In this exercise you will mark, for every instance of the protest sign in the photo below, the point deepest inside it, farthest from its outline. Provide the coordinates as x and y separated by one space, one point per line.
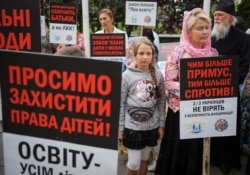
208 96
59 114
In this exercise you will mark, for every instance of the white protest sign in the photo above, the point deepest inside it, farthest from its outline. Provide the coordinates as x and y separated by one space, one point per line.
141 13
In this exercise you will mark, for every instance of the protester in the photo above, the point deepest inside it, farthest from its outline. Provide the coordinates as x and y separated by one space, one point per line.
127 61
106 19
245 116
228 40
245 120
183 157
142 113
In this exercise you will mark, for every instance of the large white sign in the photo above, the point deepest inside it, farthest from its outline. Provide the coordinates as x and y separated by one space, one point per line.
208 118
141 13
63 27
32 155
208 97
63 33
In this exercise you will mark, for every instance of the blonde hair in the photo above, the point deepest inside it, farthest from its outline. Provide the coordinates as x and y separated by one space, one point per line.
152 67
197 13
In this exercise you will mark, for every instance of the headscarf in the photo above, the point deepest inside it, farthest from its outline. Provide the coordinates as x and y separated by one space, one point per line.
185 43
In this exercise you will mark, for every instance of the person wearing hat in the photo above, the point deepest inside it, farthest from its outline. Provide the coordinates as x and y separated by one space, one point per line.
228 40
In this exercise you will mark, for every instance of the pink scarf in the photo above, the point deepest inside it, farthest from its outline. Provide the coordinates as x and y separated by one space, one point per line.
186 45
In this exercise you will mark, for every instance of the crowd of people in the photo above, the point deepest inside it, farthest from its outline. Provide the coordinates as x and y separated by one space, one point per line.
149 121
198 39
226 150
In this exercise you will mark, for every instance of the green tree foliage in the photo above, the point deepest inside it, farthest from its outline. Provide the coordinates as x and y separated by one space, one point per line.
244 11
169 13
118 8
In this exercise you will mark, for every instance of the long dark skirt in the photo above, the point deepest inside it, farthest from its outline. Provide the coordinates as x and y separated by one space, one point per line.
226 150
178 157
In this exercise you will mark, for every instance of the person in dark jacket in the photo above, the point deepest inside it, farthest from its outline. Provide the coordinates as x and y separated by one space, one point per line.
245 116
228 40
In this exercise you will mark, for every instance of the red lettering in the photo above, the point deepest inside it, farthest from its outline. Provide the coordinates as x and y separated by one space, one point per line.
12 41
19 17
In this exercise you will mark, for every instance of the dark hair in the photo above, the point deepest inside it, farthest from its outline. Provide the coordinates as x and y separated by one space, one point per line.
152 67
148 33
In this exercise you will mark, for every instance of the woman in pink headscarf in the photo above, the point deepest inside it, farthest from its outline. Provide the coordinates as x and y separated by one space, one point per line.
183 157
